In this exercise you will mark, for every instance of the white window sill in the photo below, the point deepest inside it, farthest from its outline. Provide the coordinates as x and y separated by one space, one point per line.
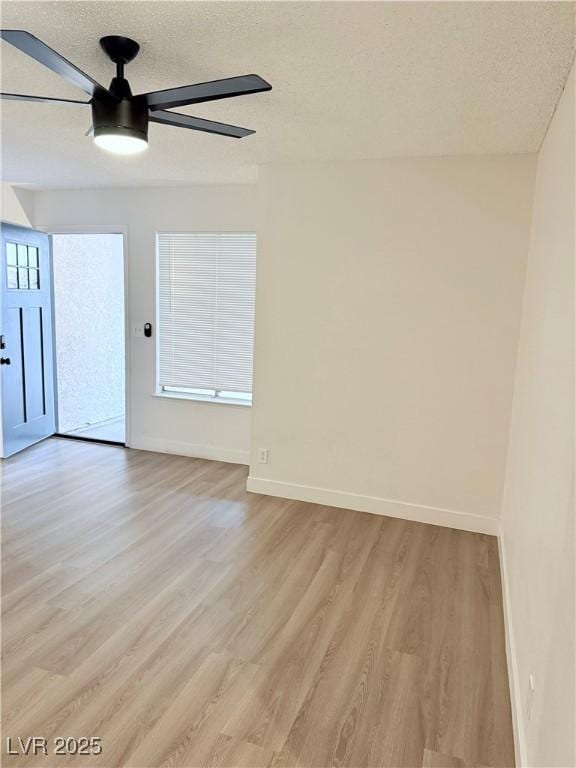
201 399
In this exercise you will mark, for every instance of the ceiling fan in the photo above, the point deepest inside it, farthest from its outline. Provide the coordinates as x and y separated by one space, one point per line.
120 120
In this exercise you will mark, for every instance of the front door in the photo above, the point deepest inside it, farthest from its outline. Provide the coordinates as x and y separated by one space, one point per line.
26 370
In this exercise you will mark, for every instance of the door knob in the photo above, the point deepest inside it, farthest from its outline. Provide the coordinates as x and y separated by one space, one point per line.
5 361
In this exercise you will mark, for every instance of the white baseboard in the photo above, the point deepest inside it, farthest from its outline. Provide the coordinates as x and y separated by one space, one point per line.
375 505
513 677
195 450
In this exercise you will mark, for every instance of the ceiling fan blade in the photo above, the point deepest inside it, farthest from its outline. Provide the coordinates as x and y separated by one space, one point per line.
216 89
36 49
49 99
198 124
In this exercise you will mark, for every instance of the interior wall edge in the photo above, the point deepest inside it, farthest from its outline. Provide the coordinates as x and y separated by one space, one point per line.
27 199
404 510
520 748
193 450
537 514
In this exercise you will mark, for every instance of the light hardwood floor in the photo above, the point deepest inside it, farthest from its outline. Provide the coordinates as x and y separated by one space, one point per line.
149 600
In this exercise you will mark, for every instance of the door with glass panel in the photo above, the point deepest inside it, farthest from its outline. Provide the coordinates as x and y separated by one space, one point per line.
26 370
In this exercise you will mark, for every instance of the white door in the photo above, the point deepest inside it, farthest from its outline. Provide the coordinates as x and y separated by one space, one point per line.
26 370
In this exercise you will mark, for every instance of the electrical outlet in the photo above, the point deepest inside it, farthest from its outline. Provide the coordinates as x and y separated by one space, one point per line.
263 455
138 330
531 692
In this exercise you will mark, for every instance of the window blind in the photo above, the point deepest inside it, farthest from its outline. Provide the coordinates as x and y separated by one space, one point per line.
206 306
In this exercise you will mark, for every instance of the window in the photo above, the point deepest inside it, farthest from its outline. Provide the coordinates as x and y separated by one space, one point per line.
206 315
22 267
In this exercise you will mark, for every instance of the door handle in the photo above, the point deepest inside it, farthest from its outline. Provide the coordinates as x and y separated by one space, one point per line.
5 361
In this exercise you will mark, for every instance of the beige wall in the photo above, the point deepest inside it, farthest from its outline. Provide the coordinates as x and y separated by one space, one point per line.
538 508
199 429
388 305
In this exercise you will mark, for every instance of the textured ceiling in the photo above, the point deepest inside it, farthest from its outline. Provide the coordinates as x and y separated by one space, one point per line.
351 80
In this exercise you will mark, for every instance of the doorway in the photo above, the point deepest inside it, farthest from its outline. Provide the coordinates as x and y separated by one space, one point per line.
89 335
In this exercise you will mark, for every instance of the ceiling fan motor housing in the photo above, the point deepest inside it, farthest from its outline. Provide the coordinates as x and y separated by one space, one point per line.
123 117
116 110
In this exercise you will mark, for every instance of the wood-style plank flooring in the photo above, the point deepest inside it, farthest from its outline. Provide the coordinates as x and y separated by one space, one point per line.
150 601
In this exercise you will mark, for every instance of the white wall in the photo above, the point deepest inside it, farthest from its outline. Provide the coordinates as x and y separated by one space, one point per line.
538 507
16 205
89 328
199 429
387 316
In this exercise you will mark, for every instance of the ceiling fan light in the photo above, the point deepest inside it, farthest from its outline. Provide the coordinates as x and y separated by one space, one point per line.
120 125
120 143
